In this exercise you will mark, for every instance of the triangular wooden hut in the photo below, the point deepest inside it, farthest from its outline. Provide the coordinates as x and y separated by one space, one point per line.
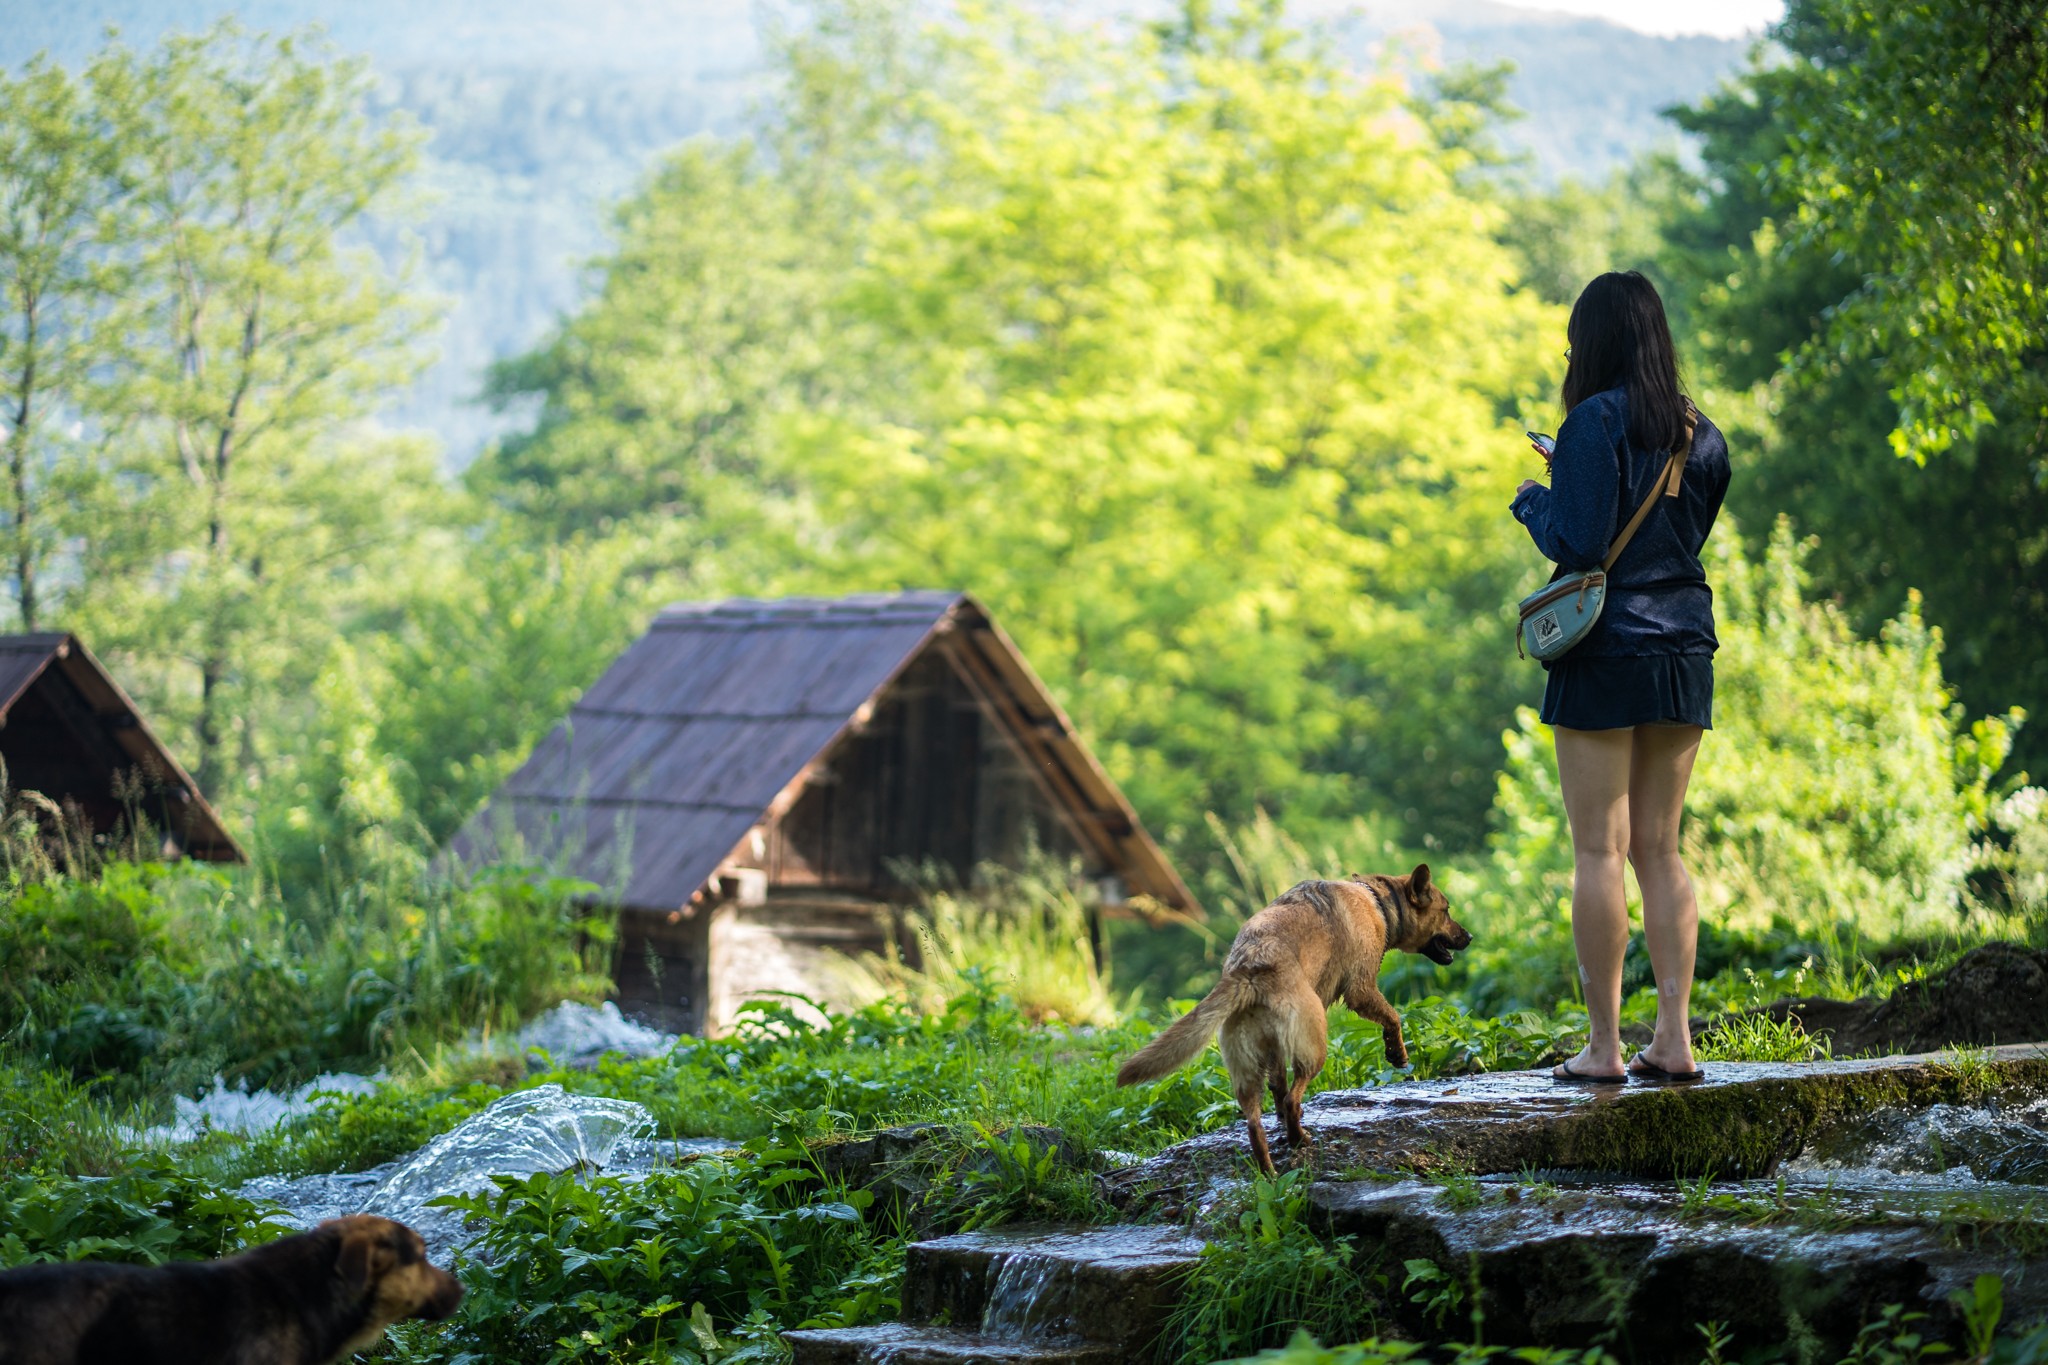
749 778
69 733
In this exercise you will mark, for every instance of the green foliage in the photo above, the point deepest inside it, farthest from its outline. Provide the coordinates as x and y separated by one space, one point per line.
1811 267
1097 325
213 336
1917 142
1268 1276
1757 1038
52 1126
700 1262
1027 927
1841 798
1019 1176
147 1215
152 978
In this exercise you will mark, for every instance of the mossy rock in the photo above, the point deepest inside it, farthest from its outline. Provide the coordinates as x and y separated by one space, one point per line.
1741 1121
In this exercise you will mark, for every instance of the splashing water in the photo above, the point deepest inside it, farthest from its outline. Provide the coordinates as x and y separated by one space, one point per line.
575 1034
1992 1142
242 1110
545 1129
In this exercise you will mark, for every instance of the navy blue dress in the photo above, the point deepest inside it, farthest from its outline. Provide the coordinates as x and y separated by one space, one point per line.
1649 660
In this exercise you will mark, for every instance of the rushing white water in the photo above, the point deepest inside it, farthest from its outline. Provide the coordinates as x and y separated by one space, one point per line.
242 1110
1993 1142
1024 1298
574 1034
545 1129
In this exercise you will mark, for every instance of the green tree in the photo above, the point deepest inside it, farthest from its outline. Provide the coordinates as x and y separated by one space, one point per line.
1761 294
1184 348
1918 147
56 182
260 339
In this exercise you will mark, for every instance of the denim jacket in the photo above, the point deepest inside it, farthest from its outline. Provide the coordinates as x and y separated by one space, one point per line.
1658 601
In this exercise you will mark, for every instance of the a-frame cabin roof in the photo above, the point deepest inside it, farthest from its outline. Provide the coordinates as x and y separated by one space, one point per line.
714 720
89 731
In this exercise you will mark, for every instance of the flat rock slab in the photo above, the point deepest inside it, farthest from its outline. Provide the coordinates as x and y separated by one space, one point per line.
1741 1121
1024 1293
1637 1267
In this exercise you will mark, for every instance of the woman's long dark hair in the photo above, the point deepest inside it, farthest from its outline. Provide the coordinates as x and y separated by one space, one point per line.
1618 337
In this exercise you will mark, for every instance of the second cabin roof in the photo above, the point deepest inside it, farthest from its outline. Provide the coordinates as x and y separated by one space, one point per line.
713 721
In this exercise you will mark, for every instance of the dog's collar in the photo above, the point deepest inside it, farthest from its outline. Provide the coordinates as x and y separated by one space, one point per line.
1386 917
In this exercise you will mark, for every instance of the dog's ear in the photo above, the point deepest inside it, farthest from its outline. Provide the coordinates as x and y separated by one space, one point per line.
365 1254
1418 881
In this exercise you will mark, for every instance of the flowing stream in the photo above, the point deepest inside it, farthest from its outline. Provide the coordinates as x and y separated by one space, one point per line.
545 1129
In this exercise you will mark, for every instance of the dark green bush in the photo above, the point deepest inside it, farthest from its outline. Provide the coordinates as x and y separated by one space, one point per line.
146 979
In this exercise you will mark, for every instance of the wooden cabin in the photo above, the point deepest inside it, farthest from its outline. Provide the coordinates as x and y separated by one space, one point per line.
69 733
750 780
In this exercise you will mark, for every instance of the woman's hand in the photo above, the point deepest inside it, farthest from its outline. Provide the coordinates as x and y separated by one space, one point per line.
1527 484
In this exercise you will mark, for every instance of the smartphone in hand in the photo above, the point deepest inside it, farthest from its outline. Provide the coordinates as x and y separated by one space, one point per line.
1546 446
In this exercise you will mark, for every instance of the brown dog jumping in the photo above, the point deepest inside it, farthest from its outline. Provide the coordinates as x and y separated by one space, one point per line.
306 1300
1317 942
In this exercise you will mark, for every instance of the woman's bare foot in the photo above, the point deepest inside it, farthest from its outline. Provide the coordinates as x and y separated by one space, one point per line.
1601 1065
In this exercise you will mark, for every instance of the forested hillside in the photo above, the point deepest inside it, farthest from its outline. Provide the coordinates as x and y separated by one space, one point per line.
540 116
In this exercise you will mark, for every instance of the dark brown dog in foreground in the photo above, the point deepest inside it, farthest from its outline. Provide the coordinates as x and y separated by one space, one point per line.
1317 942
305 1300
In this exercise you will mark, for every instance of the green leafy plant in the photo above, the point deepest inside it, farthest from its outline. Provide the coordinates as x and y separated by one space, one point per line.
1268 1276
148 1214
705 1261
1436 1293
1014 1175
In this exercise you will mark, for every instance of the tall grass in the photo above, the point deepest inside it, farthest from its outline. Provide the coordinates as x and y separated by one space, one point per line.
147 979
1027 929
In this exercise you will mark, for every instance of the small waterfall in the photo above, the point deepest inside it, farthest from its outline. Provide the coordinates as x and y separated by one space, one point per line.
1032 1295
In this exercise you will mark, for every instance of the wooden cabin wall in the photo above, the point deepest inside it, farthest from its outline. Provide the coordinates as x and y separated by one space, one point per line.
663 969
928 780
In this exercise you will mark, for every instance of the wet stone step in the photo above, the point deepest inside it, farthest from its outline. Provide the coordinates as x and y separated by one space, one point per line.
900 1343
1077 1293
1742 1121
1598 1261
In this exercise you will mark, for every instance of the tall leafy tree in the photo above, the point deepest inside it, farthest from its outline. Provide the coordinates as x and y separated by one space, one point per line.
1802 288
262 337
1183 347
1917 146
56 185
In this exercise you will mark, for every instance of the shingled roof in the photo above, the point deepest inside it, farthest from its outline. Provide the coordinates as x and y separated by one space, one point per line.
712 723
66 730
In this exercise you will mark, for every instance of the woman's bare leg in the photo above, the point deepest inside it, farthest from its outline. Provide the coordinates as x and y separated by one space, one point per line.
1593 768
1664 756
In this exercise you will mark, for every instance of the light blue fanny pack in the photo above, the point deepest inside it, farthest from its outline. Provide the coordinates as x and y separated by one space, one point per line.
1557 616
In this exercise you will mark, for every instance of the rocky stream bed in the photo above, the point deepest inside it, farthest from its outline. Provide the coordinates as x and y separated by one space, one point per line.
1789 1202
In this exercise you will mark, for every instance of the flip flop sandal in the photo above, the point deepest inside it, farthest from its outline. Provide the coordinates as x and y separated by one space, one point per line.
1645 1070
1571 1077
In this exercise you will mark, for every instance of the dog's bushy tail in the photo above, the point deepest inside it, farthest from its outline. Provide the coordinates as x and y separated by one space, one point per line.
1189 1034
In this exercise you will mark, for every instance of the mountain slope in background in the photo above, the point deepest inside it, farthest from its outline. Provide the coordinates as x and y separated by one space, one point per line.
541 115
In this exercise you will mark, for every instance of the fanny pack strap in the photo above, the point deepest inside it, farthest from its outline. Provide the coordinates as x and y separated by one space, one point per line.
1668 482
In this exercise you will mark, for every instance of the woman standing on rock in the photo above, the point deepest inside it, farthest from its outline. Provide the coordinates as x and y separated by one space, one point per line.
1630 702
